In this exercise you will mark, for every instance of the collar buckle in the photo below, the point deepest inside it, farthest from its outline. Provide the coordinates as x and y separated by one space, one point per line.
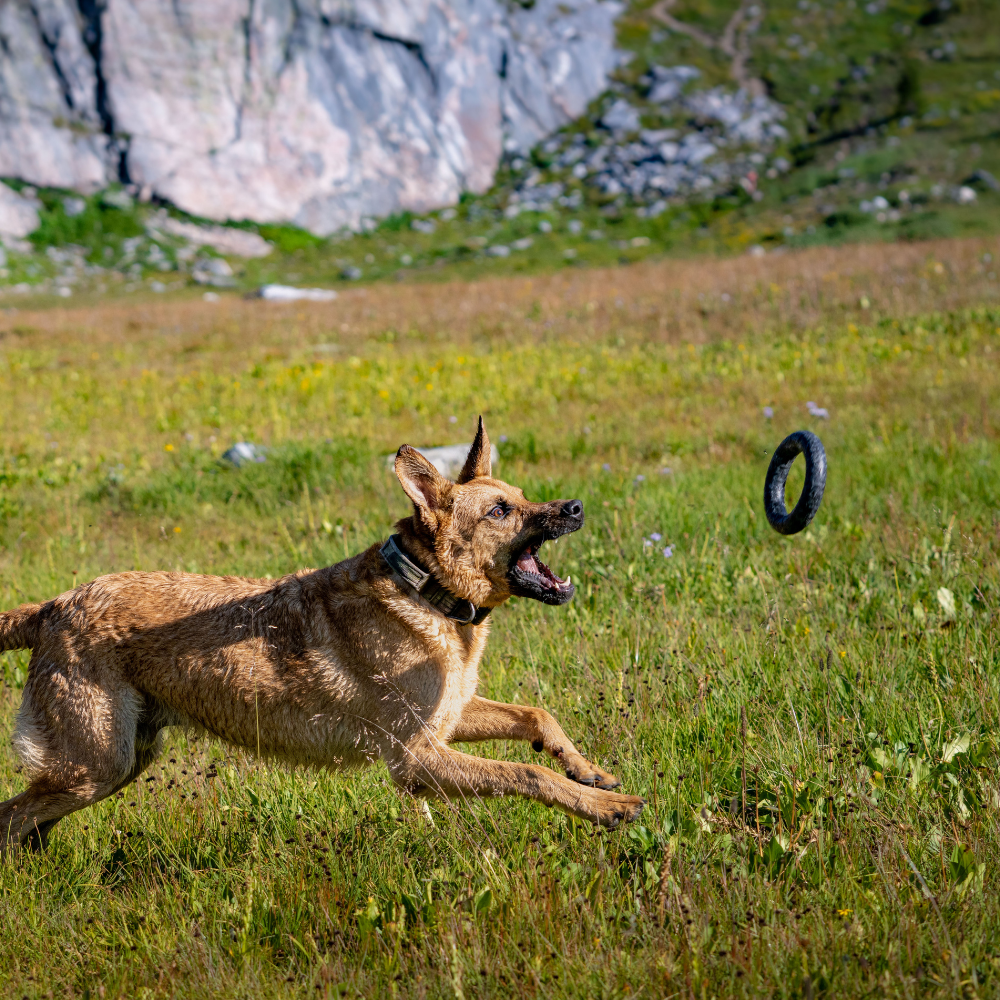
456 608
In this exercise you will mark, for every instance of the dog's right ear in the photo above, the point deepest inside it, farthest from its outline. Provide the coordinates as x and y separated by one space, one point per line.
422 483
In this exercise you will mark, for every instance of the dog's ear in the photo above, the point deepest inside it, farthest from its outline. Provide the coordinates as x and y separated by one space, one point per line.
478 463
422 483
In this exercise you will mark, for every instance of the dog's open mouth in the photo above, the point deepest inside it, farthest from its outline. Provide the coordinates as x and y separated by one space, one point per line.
532 578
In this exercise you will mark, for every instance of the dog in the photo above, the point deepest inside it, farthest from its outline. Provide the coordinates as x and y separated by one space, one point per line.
376 657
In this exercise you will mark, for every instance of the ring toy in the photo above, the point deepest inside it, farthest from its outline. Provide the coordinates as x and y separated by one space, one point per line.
806 443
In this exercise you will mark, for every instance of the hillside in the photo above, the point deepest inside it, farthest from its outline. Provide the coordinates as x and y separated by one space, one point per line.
729 127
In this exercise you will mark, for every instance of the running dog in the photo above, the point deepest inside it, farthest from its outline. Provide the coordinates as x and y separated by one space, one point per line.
375 657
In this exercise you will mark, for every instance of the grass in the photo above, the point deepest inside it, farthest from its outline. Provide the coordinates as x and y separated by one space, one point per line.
812 719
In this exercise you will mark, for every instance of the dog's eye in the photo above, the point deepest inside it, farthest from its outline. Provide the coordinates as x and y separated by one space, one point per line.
497 512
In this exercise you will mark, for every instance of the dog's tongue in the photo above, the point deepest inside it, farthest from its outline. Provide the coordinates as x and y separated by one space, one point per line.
528 563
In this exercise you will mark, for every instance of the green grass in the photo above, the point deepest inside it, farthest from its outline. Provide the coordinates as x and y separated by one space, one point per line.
813 725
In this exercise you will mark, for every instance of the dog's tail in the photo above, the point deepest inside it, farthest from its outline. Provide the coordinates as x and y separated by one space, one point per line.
19 628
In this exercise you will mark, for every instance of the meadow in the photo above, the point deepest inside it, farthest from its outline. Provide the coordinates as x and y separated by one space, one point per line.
813 720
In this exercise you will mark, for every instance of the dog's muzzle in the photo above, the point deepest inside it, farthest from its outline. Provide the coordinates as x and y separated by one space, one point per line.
529 576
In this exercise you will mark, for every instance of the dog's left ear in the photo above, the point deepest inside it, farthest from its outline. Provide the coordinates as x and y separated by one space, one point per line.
479 462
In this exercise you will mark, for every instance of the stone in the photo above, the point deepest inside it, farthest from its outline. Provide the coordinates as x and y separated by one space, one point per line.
213 271
667 82
321 113
117 198
288 293
983 177
18 215
448 459
244 453
234 242
621 116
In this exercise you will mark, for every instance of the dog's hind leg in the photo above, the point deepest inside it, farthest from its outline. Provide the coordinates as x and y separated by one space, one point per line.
78 750
492 720
27 819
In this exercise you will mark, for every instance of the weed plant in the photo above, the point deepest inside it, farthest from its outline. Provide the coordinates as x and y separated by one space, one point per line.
813 720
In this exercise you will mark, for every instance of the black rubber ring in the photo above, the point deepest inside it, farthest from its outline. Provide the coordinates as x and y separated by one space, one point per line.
812 492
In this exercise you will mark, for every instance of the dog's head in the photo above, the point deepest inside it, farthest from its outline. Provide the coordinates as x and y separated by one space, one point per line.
482 534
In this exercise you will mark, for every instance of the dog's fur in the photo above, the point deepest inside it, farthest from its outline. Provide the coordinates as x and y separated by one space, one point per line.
330 668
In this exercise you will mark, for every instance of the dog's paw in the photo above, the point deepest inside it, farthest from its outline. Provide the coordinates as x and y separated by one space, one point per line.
582 771
618 809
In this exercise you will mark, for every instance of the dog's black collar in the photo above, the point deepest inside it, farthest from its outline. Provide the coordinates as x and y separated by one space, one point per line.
454 607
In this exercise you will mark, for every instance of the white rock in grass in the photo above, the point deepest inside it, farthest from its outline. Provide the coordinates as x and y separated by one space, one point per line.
288 293
449 459
244 452
947 601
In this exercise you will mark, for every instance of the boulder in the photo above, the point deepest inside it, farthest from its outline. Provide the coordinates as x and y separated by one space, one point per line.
448 459
18 216
235 242
289 293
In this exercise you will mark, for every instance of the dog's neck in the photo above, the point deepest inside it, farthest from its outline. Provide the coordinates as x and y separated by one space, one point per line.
398 552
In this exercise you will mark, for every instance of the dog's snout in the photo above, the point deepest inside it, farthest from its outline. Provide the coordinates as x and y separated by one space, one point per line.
572 508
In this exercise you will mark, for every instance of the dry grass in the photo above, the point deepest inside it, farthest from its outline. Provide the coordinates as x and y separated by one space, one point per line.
668 300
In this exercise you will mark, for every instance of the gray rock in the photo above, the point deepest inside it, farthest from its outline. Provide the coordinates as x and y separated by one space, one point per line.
449 459
74 207
244 453
117 198
983 177
322 113
213 271
621 116
667 82
18 215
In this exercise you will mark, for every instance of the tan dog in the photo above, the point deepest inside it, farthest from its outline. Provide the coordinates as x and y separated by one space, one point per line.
377 656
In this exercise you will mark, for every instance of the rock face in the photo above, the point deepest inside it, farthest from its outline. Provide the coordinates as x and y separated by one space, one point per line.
316 112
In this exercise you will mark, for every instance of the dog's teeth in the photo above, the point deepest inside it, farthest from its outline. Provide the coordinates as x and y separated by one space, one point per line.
569 580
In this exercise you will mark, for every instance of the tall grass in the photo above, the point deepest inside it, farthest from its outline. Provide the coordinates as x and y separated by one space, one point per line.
812 719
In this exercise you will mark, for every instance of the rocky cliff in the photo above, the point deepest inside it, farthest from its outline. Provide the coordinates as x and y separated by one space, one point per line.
314 112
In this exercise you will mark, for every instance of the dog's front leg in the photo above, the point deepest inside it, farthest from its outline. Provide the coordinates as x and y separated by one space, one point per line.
429 767
492 720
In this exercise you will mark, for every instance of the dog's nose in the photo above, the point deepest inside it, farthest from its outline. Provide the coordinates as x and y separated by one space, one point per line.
572 508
